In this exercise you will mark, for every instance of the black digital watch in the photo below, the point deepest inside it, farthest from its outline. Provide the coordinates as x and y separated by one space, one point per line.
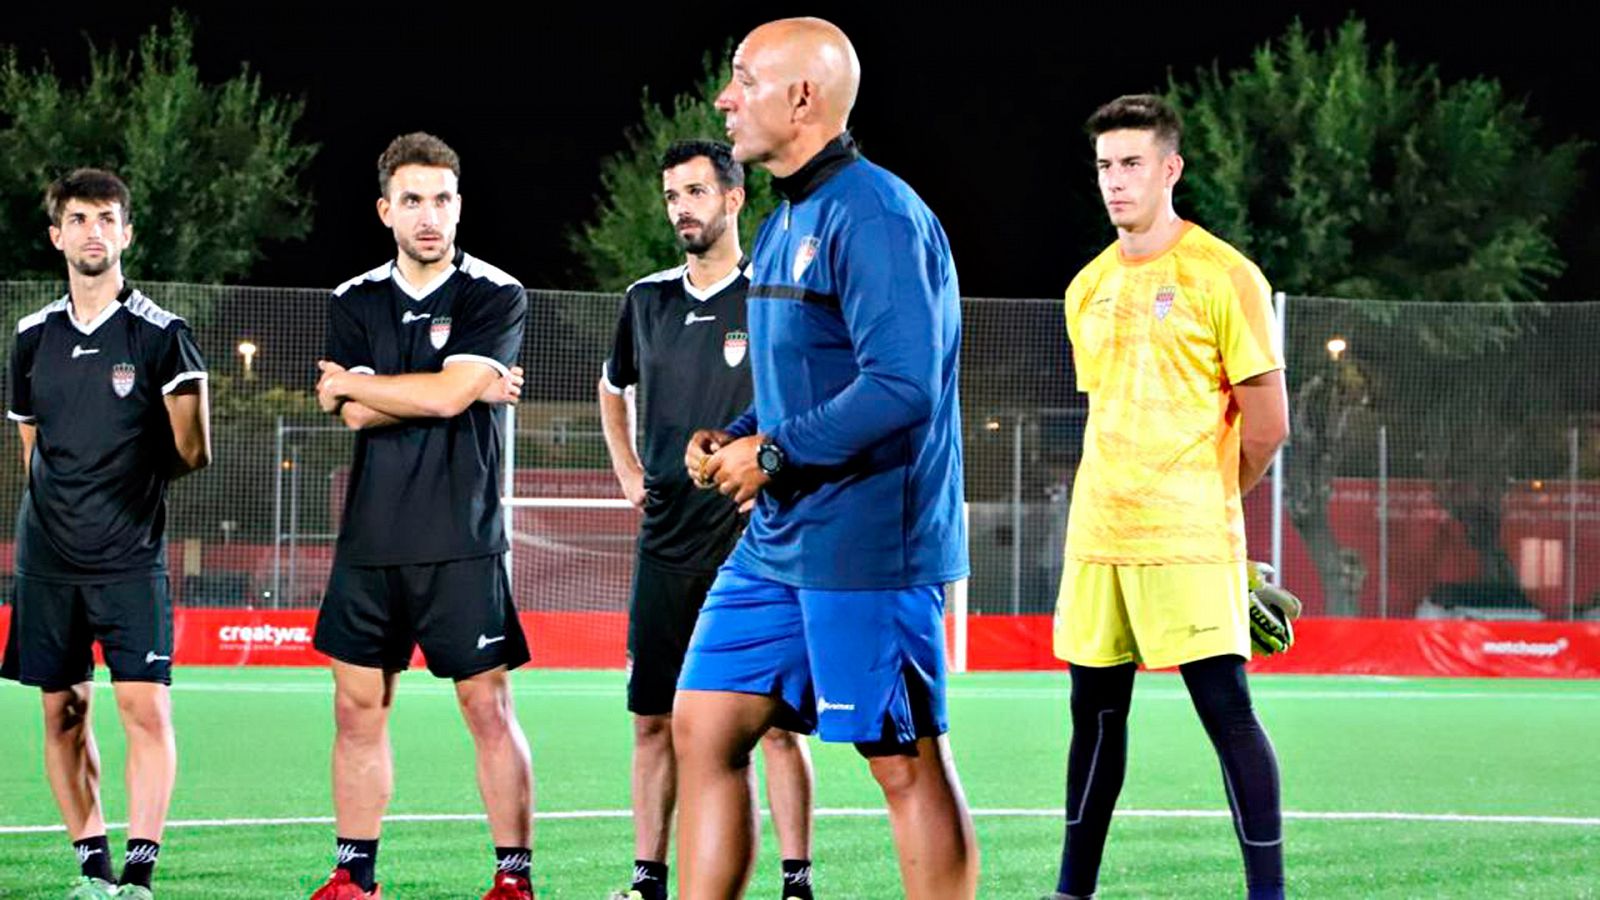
770 458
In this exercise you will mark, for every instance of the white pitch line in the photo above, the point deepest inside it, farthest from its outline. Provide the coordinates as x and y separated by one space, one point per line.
531 692
875 812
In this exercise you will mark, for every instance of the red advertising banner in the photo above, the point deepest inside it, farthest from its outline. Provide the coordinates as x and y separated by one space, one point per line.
216 637
1353 647
243 637
598 640
1475 649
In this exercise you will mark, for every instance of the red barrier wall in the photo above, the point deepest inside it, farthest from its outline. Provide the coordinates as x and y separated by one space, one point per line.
1353 647
229 637
597 640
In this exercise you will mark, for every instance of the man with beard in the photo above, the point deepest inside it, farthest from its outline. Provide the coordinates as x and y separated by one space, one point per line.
108 391
681 339
421 352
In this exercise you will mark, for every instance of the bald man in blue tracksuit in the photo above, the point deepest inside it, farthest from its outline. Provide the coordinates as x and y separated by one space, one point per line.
854 331
828 616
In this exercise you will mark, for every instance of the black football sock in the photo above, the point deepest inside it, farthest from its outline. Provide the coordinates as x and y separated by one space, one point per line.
94 857
650 879
139 863
1097 759
1249 766
360 859
797 879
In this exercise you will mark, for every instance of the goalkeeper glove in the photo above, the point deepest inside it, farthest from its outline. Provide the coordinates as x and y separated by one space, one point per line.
1272 612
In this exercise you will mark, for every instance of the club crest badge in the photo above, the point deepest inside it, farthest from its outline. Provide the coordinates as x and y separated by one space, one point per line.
1164 297
439 332
734 345
809 245
122 377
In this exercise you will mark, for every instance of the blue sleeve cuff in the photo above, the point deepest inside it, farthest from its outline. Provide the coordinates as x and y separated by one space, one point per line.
744 426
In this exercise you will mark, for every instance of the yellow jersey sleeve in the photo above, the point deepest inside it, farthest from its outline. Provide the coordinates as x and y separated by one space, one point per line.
1077 296
1247 334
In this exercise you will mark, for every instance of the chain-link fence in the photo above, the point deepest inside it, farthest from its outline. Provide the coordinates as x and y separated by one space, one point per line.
1445 459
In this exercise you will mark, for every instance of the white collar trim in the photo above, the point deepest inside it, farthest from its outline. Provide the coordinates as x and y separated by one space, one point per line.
712 290
89 328
421 292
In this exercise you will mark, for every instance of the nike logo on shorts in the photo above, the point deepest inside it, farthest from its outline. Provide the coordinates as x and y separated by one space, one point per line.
153 657
486 641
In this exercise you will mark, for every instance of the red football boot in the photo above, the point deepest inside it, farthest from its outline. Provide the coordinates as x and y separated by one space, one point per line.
509 887
340 887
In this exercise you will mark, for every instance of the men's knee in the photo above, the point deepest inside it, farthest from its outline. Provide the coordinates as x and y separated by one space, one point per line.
652 732
487 710
699 740
358 714
145 712
1102 694
896 773
782 742
66 711
1220 694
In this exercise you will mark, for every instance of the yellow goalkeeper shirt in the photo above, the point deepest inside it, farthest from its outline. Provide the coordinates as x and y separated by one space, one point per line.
1158 343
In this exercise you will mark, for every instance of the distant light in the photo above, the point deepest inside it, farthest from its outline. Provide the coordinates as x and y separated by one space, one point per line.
992 425
1538 484
287 464
247 349
1336 347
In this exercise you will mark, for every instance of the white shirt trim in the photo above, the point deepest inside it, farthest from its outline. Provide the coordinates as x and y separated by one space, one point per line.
716 288
419 293
35 319
663 275
172 385
146 309
477 268
605 382
377 274
100 319
494 364
18 417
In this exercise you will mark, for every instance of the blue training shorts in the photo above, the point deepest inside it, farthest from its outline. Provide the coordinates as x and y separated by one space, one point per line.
854 666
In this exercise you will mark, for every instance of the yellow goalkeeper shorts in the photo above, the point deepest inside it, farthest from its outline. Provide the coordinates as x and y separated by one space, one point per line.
1160 615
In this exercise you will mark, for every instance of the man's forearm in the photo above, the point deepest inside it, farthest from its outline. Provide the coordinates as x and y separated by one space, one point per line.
869 410
619 439
1253 464
1263 405
357 416
29 433
417 395
189 414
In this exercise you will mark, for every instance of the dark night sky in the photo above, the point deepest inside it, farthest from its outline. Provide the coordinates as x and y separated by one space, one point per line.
979 110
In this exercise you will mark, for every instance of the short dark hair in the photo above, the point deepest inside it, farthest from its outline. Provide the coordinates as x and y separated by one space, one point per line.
1140 112
95 185
415 149
729 173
